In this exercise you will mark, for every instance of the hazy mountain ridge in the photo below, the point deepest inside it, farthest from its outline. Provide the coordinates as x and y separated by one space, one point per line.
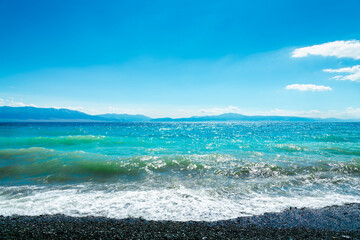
235 117
125 117
28 114
43 114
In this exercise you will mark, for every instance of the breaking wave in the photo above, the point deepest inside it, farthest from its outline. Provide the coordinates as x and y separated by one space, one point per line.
41 164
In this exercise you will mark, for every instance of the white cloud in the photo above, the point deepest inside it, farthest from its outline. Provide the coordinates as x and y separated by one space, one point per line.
189 112
121 110
308 87
78 108
284 112
351 112
216 111
354 73
348 113
12 103
340 49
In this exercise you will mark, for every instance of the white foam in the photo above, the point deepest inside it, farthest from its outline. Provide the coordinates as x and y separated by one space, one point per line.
162 204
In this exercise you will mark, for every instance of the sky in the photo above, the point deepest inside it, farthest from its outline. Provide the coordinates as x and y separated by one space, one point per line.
179 58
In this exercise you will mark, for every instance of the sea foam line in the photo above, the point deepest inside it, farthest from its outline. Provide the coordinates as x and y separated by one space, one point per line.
181 204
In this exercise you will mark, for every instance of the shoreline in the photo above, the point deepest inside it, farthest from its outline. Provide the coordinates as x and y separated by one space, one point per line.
333 222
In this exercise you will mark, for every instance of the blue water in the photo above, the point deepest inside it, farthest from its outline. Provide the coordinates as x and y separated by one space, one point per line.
176 171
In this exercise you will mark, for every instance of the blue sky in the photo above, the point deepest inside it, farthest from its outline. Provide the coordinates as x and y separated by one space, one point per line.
182 58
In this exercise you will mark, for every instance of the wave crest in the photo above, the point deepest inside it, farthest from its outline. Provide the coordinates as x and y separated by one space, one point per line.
41 164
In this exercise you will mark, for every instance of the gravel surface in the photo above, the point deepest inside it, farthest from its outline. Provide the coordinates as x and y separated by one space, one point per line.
335 222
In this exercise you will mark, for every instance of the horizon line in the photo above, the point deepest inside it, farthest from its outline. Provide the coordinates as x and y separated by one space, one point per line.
192 116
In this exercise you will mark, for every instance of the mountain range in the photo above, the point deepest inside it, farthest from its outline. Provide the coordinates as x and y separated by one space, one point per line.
34 114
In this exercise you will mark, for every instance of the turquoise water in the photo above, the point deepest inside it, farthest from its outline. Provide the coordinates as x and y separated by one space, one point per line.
176 171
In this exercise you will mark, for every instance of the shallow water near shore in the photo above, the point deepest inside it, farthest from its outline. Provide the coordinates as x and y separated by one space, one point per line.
176 171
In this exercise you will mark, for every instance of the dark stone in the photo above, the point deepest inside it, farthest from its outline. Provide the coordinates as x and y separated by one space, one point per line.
325 223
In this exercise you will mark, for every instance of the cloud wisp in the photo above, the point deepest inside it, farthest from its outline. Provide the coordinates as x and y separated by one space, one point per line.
308 87
348 113
339 49
12 103
216 110
353 73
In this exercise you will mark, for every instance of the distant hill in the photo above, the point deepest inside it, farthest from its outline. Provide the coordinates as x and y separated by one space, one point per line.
233 117
125 117
28 114
16 114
